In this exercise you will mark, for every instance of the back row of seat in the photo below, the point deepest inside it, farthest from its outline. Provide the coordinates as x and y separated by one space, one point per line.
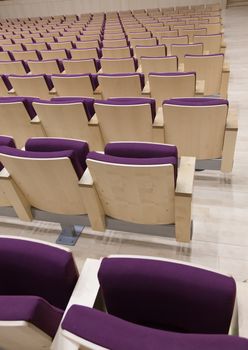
210 136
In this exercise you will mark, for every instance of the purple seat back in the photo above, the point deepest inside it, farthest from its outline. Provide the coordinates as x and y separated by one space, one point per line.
31 268
117 334
76 150
196 101
150 152
166 295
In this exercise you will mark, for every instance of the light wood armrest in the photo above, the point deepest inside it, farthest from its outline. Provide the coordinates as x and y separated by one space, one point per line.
242 296
11 91
86 180
159 119
232 120
84 293
146 89
35 120
181 67
53 91
139 70
185 177
200 87
223 43
226 67
93 121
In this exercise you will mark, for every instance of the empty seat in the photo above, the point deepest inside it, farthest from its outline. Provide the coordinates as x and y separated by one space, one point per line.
128 119
5 141
191 32
36 46
6 56
114 42
120 178
169 85
37 282
203 128
85 53
38 85
180 50
17 118
121 85
45 160
119 65
75 84
157 297
212 43
13 67
150 51
45 67
169 40
54 54
87 44
66 45
117 52
12 47
158 64
211 70
82 66
70 118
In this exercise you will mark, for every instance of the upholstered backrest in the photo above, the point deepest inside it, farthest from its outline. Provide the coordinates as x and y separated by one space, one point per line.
31 268
207 68
135 189
167 295
168 85
54 167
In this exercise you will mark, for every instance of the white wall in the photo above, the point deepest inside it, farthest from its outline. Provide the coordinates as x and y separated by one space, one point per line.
29 8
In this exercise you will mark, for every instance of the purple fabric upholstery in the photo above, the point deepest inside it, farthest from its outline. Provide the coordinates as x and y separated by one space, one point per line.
93 78
87 102
76 150
172 74
32 268
6 81
117 334
6 141
196 101
141 76
132 101
31 309
167 295
45 76
27 102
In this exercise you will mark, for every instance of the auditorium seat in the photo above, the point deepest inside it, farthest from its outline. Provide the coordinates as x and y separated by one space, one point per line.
13 67
138 183
210 69
81 66
150 51
119 65
129 119
169 40
121 85
37 282
45 67
86 44
153 303
75 84
180 50
26 55
70 118
38 85
158 64
117 52
85 53
213 43
204 128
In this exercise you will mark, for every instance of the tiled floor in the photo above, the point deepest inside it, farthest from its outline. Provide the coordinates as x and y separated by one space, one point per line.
220 204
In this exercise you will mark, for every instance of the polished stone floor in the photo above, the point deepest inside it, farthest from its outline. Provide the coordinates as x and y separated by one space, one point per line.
220 203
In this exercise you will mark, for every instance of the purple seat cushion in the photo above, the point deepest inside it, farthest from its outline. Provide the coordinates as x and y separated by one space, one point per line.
117 334
87 102
141 76
27 102
31 268
93 78
6 81
196 101
166 295
31 309
78 150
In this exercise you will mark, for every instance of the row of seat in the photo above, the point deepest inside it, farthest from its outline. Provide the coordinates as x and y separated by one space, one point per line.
150 303
210 136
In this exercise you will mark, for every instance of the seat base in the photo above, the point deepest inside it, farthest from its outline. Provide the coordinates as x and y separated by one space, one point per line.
69 235
208 164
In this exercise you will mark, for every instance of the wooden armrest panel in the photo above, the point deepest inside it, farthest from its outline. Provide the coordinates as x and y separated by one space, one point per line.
185 177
